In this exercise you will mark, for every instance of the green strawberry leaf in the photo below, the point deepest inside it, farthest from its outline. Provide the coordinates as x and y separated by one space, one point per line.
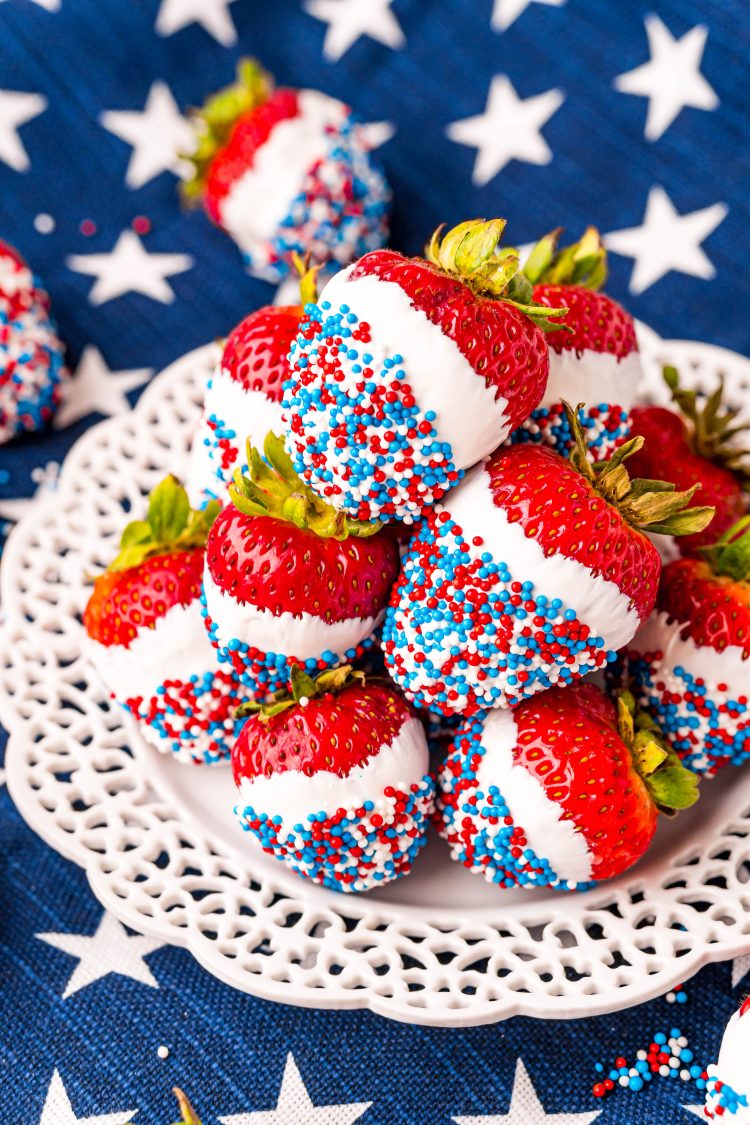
189 1116
137 531
673 788
669 783
168 510
171 526
648 755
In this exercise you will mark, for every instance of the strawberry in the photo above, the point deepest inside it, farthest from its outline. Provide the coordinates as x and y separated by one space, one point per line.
243 397
409 371
287 170
595 360
563 791
333 779
288 579
534 571
690 662
32 363
727 1085
698 446
146 636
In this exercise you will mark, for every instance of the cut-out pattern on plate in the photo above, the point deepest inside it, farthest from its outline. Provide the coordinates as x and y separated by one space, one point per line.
162 851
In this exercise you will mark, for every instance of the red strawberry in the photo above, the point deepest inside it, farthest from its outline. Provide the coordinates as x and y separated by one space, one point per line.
533 572
289 580
696 447
243 397
32 365
691 661
146 635
333 779
411 371
562 791
593 361
287 170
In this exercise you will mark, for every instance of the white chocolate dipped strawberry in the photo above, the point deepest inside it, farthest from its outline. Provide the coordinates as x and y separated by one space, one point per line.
146 634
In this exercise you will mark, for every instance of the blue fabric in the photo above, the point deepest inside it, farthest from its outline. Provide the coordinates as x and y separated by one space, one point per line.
227 1049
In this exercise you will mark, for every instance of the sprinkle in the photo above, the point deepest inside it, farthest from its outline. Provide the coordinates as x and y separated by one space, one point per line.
141 224
87 227
163 1052
606 427
44 223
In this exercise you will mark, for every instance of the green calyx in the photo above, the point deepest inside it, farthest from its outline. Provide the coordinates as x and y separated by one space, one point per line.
730 555
582 263
649 505
308 278
170 525
671 785
188 1114
213 123
302 689
712 426
471 252
274 489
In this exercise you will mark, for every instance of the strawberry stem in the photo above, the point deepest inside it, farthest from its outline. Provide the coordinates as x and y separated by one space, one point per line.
308 277
730 555
583 263
650 505
671 785
471 252
189 1116
213 123
711 425
274 489
302 687
170 525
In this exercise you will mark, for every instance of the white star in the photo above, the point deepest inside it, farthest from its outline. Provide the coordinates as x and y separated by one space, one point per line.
672 78
15 110
667 240
94 389
130 268
50 5
157 135
509 129
348 20
212 15
109 950
740 968
377 133
294 1106
506 12
526 1109
58 1110
696 1109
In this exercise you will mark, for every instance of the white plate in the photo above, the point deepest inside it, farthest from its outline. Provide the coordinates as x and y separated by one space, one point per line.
162 851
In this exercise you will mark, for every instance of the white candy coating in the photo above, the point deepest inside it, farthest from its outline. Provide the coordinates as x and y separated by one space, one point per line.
468 416
547 834
176 648
592 377
598 603
293 796
260 199
301 635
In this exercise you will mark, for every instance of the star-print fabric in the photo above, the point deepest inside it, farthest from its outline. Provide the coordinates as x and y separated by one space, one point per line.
632 117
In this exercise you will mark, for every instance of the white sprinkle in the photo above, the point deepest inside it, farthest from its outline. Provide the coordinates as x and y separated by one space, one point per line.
163 1052
624 1080
44 223
304 700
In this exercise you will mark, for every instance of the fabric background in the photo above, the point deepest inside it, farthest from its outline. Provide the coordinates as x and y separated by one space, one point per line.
87 57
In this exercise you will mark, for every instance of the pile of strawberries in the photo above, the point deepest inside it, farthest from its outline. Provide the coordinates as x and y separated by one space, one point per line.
441 522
